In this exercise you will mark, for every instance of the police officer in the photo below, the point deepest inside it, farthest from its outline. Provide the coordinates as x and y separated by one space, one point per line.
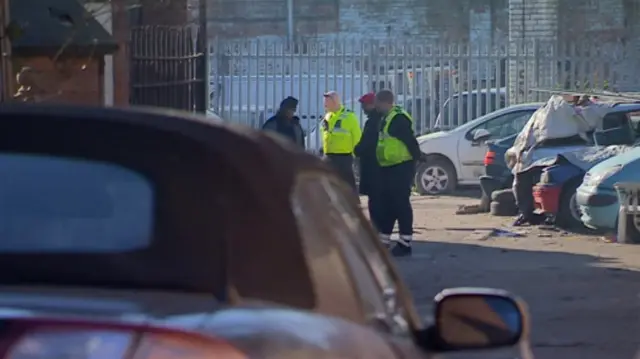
340 134
397 153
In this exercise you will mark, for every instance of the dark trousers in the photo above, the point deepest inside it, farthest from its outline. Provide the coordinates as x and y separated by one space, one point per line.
374 207
343 164
523 190
395 198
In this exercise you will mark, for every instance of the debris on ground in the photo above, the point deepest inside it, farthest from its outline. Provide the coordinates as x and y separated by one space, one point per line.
469 209
484 234
610 238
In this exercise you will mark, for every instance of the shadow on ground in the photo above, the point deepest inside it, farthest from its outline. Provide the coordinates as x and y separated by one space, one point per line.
582 306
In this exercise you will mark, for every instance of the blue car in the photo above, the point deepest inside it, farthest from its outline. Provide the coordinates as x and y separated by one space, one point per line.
596 197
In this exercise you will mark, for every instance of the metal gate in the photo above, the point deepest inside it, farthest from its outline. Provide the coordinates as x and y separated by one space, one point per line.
168 67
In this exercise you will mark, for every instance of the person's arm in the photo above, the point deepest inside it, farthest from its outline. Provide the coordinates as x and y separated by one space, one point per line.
369 140
402 129
270 125
354 129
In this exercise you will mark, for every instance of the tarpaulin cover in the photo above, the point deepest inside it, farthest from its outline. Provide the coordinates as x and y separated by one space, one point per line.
558 119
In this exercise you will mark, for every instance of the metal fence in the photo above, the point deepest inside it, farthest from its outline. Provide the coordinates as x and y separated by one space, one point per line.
441 85
168 67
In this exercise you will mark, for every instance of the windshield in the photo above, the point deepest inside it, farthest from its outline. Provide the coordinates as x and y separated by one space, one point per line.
51 204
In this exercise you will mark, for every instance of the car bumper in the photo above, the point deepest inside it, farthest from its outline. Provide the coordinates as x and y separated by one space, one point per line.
599 208
547 198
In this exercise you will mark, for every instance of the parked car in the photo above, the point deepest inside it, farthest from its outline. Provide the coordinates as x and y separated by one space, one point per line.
457 156
596 196
169 227
468 105
497 174
555 194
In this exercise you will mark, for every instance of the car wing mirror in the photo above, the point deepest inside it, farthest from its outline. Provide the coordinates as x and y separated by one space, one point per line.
481 135
474 319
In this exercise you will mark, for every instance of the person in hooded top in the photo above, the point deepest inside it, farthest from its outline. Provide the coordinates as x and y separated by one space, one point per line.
286 123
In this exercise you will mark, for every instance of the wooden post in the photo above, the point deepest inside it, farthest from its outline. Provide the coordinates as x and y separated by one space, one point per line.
5 53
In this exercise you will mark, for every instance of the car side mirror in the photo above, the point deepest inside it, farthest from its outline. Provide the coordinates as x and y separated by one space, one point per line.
473 319
481 135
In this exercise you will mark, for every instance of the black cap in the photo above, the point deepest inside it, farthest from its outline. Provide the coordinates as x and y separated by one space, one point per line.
289 103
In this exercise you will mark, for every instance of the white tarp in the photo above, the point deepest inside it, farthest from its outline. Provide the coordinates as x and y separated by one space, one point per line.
557 119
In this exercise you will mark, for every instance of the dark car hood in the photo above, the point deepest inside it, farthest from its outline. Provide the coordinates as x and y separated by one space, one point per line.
258 329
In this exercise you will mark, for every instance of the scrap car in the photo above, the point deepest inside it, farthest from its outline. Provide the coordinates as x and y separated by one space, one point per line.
597 199
136 224
555 193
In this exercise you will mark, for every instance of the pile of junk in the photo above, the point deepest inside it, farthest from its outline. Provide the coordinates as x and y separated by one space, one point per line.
569 128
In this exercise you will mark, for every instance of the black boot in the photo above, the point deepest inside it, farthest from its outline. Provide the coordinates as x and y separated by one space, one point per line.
402 247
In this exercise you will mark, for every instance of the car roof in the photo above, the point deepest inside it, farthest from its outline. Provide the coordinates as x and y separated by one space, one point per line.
218 228
512 108
626 107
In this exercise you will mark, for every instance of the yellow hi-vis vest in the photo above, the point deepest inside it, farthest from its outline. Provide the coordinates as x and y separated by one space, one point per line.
390 150
336 134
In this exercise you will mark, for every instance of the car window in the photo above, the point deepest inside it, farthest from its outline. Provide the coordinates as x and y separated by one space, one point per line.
316 196
505 125
56 204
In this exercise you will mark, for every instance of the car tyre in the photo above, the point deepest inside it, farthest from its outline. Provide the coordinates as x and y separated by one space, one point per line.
503 209
633 233
435 176
504 196
568 216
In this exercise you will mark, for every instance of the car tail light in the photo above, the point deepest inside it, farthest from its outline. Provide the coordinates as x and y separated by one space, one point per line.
38 338
489 158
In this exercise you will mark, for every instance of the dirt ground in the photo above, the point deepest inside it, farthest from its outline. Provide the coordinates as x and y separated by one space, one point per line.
583 292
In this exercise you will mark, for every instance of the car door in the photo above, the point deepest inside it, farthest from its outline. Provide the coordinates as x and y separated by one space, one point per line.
332 224
471 154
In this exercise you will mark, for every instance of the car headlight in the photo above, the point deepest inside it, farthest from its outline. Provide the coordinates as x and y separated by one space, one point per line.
594 179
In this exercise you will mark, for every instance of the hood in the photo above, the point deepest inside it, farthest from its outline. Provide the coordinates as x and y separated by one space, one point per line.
432 136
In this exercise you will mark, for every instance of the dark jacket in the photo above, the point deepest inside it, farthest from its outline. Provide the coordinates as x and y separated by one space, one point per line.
402 128
365 150
288 128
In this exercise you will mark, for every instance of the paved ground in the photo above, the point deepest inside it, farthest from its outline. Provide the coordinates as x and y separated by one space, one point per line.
583 292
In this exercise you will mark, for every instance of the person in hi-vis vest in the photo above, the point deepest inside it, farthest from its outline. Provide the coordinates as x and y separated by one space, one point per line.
397 153
340 134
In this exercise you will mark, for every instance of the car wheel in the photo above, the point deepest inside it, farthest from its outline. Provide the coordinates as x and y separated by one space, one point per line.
569 214
436 176
503 209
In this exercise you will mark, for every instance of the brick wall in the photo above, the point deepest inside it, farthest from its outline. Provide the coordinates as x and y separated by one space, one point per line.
75 81
533 27
165 12
434 19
